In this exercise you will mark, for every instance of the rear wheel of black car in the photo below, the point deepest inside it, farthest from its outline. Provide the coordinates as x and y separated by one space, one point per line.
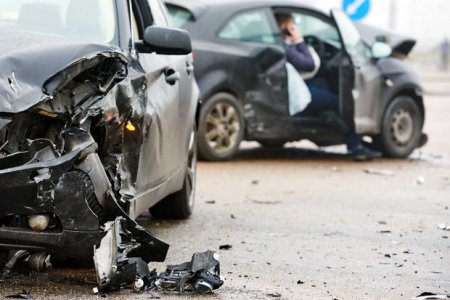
181 204
221 128
401 128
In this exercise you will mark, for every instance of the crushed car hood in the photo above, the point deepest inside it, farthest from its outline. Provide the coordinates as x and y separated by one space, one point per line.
400 44
33 66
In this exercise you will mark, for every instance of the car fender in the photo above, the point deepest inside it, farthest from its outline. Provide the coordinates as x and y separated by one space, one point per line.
400 84
215 82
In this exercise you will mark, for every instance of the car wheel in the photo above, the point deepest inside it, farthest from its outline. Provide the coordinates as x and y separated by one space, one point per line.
181 204
221 128
401 128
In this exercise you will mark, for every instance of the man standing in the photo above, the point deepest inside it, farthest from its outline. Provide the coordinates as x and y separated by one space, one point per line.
322 100
445 53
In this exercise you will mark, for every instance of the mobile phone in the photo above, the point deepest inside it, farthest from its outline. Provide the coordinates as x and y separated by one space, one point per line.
286 32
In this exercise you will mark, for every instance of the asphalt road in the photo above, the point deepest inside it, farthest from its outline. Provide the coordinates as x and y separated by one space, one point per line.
305 223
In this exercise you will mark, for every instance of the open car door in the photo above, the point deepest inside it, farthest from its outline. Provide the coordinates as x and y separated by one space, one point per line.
360 79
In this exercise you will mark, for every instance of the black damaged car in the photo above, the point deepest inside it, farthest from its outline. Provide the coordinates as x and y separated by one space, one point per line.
97 121
240 68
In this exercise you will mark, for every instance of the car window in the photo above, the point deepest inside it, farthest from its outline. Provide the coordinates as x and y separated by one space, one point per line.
311 25
353 42
179 15
92 20
159 17
250 26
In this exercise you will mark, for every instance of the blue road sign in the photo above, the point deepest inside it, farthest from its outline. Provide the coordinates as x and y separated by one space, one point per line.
356 9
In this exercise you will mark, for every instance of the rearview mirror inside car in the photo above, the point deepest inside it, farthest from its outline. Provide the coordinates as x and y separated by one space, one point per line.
381 50
165 41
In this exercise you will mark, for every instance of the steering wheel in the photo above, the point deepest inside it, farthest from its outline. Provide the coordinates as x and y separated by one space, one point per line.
316 43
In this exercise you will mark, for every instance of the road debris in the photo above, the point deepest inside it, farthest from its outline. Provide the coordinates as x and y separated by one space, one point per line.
420 180
225 247
23 295
125 265
380 172
444 227
274 295
211 202
266 202
431 296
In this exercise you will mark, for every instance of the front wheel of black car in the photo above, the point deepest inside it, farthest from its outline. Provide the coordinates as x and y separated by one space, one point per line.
221 128
401 128
181 204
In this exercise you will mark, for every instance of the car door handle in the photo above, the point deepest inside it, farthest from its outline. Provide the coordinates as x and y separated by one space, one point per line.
189 69
172 76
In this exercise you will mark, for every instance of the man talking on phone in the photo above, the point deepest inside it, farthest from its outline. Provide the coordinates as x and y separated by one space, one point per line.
322 101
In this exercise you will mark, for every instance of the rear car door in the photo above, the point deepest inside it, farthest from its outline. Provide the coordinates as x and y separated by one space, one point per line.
360 79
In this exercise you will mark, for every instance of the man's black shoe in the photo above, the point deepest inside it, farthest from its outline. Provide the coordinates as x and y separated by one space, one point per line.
362 153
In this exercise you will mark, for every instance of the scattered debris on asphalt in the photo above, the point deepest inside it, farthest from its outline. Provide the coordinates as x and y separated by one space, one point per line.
431 296
121 261
380 172
201 275
211 202
255 182
274 295
266 202
384 231
225 247
444 227
23 295
233 216
300 282
420 180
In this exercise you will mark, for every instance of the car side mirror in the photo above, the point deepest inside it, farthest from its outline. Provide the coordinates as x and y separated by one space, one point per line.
381 50
167 41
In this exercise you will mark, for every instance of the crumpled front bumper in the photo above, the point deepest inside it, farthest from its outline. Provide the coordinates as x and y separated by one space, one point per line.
50 188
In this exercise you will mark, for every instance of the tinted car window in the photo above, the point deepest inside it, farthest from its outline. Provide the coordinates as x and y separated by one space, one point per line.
92 20
310 25
250 26
180 16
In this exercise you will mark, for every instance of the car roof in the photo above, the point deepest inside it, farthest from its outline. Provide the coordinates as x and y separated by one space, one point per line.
197 7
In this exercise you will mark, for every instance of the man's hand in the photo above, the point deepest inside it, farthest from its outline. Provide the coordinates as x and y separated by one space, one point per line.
295 36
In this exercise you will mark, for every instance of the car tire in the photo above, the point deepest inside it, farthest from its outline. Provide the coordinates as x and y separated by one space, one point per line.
401 128
181 204
221 128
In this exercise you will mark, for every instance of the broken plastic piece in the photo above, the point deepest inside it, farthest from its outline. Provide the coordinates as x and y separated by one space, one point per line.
202 274
23 295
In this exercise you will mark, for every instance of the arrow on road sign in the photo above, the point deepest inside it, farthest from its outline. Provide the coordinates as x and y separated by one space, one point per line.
356 9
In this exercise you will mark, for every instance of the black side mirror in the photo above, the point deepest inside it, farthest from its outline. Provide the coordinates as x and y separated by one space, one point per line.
163 40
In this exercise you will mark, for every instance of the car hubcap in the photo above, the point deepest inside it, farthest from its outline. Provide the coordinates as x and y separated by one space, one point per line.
191 177
402 127
222 127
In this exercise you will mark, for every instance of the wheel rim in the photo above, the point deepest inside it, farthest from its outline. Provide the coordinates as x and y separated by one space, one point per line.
222 127
191 177
402 127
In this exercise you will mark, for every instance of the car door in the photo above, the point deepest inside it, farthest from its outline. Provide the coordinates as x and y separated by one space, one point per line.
260 60
360 79
161 154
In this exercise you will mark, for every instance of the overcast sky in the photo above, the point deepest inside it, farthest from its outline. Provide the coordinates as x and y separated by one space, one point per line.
426 20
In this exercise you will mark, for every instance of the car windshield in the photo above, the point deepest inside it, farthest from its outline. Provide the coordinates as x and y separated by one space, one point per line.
91 20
